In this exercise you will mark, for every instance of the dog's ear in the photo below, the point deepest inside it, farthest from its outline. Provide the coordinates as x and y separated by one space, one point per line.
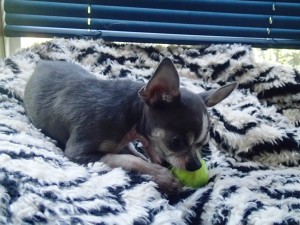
163 87
214 96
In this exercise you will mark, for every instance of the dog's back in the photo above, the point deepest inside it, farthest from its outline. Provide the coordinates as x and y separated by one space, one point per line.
61 95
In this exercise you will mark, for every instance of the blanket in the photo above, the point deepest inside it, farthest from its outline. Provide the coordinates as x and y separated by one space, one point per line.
253 155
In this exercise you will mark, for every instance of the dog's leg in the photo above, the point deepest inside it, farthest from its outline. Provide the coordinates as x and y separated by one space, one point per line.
79 153
161 175
80 150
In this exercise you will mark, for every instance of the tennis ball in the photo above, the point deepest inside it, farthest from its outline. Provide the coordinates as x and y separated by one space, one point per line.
194 179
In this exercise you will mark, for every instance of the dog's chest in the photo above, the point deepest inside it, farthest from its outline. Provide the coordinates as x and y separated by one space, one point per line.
110 146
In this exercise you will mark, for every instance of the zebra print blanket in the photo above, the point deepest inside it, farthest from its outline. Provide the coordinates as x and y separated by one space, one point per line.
252 157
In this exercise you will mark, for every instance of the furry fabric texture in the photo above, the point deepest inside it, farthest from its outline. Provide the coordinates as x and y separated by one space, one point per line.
252 157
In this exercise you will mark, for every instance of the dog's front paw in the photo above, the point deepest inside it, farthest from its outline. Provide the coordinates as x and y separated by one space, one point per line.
165 180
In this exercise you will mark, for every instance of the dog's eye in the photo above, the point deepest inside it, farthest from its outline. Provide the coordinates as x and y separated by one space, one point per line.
178 143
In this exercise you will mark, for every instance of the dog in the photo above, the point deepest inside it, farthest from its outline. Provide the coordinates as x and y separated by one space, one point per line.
97 120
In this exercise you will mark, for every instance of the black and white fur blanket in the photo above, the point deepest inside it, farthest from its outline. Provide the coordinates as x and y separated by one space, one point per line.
253 155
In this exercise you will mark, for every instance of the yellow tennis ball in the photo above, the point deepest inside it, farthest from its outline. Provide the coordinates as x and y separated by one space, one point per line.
195 179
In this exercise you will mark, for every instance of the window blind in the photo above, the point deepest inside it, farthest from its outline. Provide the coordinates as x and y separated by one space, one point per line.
259 23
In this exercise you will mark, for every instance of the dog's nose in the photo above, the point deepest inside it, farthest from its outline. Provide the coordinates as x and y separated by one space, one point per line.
193 164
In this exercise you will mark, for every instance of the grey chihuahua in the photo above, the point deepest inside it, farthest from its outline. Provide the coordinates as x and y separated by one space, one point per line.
96 120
